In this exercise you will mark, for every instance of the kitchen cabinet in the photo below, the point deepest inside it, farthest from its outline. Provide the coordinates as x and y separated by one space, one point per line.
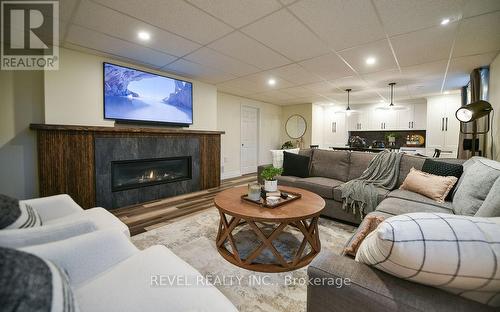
442 127
335 128
412 117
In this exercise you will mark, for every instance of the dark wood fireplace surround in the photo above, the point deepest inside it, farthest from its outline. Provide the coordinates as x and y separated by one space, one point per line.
66 156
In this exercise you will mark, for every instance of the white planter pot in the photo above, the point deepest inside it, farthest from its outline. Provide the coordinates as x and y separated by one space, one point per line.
270 186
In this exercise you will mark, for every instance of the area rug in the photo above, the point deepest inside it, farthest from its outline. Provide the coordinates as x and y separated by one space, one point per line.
193 239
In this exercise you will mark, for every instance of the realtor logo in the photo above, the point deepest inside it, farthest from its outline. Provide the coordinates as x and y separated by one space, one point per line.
30 35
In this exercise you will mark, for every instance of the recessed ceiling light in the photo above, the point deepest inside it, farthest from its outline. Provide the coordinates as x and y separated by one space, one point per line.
144 35
445 21
381 101
446 92
271 81
371 60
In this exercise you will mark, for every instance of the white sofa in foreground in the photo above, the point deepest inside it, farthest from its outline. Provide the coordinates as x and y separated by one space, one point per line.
61 218
108 273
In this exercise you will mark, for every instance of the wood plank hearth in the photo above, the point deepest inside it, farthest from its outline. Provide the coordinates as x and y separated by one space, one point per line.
66 156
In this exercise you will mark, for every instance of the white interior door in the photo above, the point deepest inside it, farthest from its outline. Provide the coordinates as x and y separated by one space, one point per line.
249 139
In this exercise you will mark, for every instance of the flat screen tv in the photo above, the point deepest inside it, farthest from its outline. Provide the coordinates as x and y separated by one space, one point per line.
132 95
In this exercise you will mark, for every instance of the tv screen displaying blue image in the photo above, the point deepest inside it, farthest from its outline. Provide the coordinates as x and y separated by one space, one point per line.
138 96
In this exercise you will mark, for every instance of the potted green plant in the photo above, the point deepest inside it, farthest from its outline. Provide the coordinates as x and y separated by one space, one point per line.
269 175
391 138
287 145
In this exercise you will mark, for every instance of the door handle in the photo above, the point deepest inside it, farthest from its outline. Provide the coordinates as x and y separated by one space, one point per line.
412 125
446 124
442 124
409 124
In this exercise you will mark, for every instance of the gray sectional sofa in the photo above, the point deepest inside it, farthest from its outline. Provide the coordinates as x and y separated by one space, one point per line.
330 169
369 288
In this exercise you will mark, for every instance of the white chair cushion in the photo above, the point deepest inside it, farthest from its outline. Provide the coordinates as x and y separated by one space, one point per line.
278 156
459 254
128 287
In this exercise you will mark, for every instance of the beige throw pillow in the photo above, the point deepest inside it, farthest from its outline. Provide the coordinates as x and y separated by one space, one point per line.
369 224
429 185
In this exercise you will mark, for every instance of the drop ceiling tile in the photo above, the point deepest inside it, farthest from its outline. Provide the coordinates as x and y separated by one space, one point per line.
425 87
283 32
249 51
66 9
328 66
277 95
353 82
478 35
424 46
466 64
221 62
473 8
295 74
176 16
404 16
380 50
288 2
261 79
383 78
237 13
298 92
241 86
102 19
321 87
342 24
98 41
197 71
455 81
461 67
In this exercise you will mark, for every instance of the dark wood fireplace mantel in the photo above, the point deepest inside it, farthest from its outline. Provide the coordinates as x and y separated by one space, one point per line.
66 156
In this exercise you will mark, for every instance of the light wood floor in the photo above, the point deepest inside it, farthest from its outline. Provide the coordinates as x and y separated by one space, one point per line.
151 215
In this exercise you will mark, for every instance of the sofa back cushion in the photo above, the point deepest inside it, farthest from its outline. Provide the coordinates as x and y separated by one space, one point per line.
491 205
359 161
330 164
475 185
408 162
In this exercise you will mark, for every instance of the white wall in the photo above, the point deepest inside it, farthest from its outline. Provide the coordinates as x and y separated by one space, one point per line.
21 103
494 99
74 94
228 119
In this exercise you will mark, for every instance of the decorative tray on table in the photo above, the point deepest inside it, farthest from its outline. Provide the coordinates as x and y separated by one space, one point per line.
290 197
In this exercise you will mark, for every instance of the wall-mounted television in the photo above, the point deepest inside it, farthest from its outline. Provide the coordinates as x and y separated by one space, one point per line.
132 95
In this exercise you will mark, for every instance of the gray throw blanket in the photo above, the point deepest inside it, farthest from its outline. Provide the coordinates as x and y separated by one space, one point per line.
361 194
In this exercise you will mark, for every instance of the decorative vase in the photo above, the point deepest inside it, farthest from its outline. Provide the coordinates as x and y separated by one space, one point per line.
270 186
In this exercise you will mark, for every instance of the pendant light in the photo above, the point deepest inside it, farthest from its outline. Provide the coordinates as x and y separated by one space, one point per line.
391 85
348 107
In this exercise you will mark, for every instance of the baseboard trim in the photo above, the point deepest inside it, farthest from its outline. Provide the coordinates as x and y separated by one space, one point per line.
231 174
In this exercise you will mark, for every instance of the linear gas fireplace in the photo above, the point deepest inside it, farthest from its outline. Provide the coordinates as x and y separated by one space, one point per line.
130 174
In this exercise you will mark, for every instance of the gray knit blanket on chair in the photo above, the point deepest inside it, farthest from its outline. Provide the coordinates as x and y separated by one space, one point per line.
361 194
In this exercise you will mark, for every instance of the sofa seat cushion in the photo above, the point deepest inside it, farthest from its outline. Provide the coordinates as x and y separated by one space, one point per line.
152 280
397 206
382 193
415 197
287 180
319 185
99 217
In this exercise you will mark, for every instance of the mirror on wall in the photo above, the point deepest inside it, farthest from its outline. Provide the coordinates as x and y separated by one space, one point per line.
296 126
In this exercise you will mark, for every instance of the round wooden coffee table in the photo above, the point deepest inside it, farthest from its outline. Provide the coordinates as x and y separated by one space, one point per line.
302 214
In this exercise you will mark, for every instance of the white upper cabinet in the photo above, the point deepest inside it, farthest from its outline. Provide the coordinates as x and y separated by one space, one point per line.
442 127
412 116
